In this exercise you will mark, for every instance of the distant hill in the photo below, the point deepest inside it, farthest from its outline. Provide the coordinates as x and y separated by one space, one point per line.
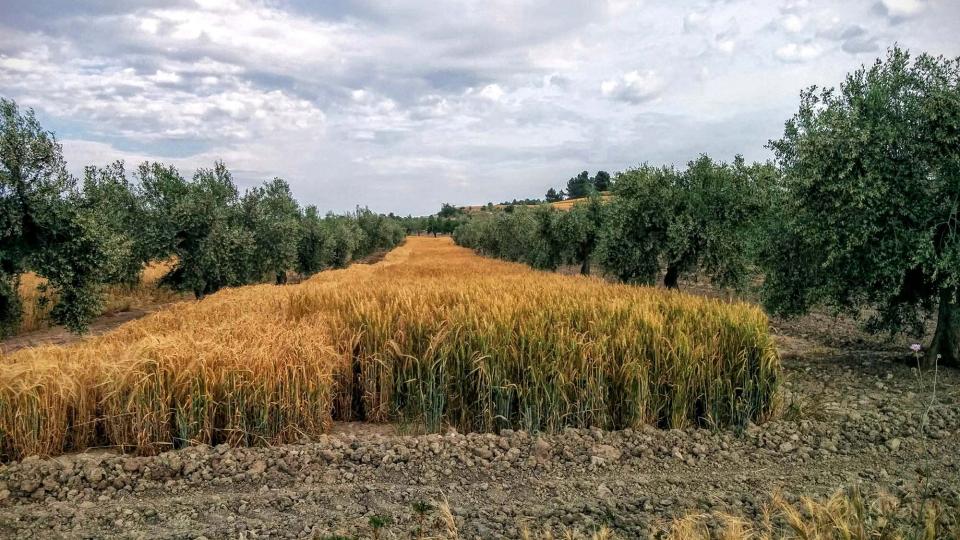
559 205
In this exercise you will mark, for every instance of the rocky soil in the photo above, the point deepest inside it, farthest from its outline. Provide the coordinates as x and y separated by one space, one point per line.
856 415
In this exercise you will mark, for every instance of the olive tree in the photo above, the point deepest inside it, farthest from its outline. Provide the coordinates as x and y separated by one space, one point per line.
42 228
548 246
870 200
313 248
704 220
345 239
637 224
112 201
580 228
272 216
207 236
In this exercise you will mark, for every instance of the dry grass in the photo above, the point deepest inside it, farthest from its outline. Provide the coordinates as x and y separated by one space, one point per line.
568 204
847 515
433 335
37 303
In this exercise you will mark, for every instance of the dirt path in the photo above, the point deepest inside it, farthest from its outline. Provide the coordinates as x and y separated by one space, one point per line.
58 335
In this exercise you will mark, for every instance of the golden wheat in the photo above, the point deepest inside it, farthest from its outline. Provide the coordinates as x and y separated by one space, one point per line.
433 334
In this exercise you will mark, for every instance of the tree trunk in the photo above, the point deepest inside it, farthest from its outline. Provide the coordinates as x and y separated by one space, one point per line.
946 339
585 267
670 279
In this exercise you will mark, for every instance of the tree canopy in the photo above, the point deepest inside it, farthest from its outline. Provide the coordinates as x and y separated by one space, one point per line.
704 219
579 186
868 216
41 226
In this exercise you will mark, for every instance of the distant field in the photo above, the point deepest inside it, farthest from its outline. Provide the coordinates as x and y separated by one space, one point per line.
559 205
568 204
432 335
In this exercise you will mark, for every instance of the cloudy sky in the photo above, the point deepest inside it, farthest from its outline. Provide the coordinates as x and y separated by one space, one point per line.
402 105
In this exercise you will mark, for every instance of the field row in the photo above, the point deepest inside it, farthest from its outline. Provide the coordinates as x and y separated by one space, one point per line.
433 335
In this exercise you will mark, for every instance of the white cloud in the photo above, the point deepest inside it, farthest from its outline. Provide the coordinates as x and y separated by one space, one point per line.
903 9
165 77
694 20
493 92
633 86
793 23
798 52
504 100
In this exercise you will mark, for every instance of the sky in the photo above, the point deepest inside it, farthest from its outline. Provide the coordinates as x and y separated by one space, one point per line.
403 105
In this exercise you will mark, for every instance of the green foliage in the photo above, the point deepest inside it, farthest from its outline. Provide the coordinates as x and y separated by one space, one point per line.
272 215
448 211
547 247
213 247
377 523
870 199
345 238
11 306
41 227
706 219
162 191
413 224
112 201
602 182
313 250
553 195
506 235
379 231
443 225
579 186
522 234
579 230
335 241
637 224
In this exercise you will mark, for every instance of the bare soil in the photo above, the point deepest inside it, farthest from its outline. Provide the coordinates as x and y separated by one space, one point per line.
58 335
857 414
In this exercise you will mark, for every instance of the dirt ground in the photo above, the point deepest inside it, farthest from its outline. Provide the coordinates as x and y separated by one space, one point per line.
58 335
857 414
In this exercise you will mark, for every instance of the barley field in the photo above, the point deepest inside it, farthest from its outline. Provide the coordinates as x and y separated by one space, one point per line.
433 335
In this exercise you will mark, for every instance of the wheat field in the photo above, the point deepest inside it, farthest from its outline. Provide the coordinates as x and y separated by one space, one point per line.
433 335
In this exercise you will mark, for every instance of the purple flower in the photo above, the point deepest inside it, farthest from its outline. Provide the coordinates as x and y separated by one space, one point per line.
916 347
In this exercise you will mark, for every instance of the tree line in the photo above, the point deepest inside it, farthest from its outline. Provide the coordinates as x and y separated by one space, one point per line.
104 229
581 185
858 211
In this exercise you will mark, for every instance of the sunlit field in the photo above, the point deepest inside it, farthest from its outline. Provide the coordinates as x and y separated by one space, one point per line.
569 203
433 335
